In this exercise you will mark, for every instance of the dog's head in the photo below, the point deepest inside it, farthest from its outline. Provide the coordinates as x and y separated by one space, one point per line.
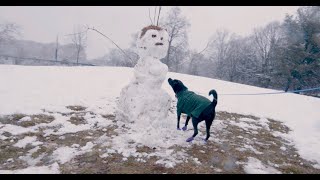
177 85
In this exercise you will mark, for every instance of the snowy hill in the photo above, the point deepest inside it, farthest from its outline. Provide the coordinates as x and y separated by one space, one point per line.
42 109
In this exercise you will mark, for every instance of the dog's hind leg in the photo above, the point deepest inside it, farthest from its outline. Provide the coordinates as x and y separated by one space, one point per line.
208 125
195 122
186 124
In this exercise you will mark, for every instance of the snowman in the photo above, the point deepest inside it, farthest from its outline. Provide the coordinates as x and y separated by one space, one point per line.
143 101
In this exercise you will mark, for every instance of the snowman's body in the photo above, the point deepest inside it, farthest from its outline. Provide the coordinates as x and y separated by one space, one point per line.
143 101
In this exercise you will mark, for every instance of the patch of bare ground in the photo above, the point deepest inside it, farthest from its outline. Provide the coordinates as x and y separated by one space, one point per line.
226 152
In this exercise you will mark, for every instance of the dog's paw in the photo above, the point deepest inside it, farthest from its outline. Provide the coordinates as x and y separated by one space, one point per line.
184 128
190 139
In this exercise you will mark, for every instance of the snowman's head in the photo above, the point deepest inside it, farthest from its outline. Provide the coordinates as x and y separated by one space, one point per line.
153 41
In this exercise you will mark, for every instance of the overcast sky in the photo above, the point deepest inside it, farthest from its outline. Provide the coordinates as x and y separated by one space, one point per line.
44 23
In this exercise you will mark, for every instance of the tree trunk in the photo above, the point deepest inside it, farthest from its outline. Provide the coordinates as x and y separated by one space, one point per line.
168 54
78 52
288 84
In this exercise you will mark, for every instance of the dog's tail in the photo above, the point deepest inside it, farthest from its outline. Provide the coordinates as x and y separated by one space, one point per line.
215 96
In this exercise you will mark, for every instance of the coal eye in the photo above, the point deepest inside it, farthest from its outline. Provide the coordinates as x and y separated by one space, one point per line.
161 38
153 35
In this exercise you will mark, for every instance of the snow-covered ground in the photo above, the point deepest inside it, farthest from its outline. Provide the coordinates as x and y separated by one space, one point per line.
37 90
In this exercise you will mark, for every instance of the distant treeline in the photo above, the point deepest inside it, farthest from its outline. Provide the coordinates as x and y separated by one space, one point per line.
281 55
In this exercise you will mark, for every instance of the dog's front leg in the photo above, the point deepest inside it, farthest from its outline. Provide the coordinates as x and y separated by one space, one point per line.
178 123
186 124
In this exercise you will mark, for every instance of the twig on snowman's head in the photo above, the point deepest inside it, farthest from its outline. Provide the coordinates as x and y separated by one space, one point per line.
154 15
150 17
158 15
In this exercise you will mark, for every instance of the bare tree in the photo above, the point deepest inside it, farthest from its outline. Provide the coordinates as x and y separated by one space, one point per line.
218 51
266 40
176 26
9 31
79 40
116 57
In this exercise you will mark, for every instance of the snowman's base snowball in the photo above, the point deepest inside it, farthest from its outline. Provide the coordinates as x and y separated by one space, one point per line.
138 103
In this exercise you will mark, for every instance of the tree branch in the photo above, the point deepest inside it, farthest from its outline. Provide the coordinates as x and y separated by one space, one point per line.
112 42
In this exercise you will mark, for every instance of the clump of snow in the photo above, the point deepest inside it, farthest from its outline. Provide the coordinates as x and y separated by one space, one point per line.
33 150
26 118
29 159
245 126
169 159
196 160
87 147
273 164
111 151
317 166
167 164
65 154
264 123
284 136
255 166
3 137
217 169
249 120
28 140
52 169
104 155
252 149
75 145
10 160
15 130
97 120
65 126
102 139
283 148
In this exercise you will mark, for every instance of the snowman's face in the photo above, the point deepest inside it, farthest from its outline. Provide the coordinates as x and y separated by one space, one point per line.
153 43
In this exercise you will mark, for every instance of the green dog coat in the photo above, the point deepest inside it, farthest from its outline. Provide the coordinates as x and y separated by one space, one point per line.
191 104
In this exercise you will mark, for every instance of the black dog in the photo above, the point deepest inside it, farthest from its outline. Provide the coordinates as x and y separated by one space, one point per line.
195 106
